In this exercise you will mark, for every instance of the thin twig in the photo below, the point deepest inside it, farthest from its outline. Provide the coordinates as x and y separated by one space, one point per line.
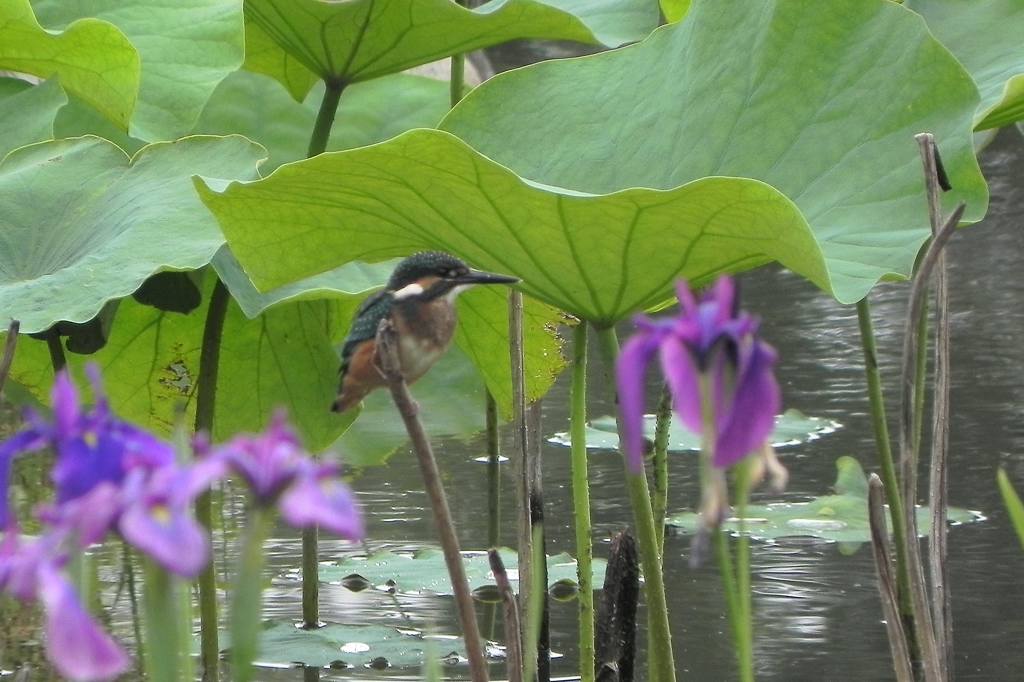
391 368
513 636
938 478
8 357
887 581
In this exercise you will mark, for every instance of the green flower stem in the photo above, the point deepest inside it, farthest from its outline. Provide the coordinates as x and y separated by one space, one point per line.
168 620
884 447
661 665
310 536
661 430
206 394
457 81
247 599
325 117
745 642
581 502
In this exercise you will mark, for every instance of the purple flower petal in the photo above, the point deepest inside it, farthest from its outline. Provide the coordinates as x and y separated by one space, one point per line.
630 369
757 399
87 518
64 401
75 643
18 444
677 364
321 499
169 536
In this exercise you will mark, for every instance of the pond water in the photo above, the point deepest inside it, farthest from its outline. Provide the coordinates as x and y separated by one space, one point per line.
817 610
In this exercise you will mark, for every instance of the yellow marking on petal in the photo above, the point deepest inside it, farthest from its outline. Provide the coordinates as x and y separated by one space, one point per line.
161 513
91 439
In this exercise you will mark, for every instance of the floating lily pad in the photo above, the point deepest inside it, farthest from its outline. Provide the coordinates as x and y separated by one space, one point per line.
425 571
283 644
186 48
92 58
300 41
986 38
842 517
791 428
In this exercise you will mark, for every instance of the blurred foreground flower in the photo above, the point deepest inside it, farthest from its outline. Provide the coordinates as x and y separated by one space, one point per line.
112 476
722 383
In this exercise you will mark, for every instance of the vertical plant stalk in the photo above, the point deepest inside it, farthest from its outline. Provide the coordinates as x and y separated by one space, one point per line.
938 477
540 565
662 424
661 665
581 502
206 398
883 445
493 473
166 642
933 663
513 638
887 581
247 599
616 625
53 344
333 90
9 347
521 455
390 366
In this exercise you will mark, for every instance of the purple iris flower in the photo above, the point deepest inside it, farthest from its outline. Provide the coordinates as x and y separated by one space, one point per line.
279 471
709 344
76 644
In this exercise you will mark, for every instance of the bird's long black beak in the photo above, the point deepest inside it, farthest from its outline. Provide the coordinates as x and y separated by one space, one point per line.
481 277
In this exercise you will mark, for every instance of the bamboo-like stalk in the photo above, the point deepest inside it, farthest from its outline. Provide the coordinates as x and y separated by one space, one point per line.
57 359
938 478
391 368
887 581
661 665
513 628
9 347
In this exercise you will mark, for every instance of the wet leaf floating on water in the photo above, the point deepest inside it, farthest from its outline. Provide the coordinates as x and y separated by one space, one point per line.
791 428
92 58
842 517
258 107
119 221
424 571
300 41
849 164
282 644
986 38
27 112
180 68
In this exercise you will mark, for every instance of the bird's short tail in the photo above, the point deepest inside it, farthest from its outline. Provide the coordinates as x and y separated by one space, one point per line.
347 399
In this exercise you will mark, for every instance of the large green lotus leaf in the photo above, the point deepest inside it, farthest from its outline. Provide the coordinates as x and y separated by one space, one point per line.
151 360
258 107
282 644
81 224
986 38
299 41
92 58
674 10
77 119
819 100
187 47
842 517
425 570
791 428
428 190
27 112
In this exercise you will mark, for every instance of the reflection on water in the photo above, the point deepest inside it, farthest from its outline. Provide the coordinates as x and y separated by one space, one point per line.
817 609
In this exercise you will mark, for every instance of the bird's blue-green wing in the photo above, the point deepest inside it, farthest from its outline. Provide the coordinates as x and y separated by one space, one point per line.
364 326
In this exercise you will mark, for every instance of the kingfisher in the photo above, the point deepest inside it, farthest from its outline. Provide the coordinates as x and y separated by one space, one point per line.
419 298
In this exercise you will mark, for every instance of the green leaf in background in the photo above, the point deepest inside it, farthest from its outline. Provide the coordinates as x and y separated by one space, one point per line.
1014 507
282 644
842 517
791 428
27 112
425 571
80 224
258 107
187 47
674 10
757 89
284 358
986 38
92 58
300 41
598 257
